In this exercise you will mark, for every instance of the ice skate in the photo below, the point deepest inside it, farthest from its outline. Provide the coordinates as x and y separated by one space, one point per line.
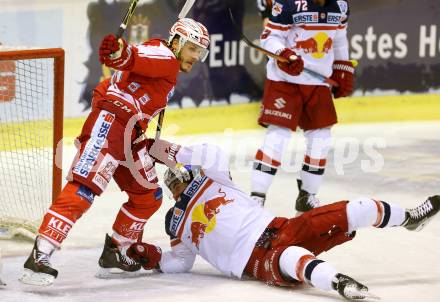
305 201
259 197
350 289
418 217
37 268
114 263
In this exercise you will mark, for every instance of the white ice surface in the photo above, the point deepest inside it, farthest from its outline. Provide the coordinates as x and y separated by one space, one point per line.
397 265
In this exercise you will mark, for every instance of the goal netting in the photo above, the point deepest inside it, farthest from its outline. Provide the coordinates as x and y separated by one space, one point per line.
31 113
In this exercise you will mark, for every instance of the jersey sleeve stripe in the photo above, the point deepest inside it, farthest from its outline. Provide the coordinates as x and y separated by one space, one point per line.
191 205
322 27
155 56
277 26
175 242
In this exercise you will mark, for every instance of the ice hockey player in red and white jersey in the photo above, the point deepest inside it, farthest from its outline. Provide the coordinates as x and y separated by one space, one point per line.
111 146
311 34
230 230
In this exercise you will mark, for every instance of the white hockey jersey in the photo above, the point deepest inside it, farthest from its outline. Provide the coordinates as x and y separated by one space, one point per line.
318 34
213 217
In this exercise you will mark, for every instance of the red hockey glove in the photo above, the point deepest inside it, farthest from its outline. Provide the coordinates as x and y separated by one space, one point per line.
343 74
147 255
294 67
115 53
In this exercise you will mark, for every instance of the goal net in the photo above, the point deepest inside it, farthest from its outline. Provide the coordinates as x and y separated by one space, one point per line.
31 121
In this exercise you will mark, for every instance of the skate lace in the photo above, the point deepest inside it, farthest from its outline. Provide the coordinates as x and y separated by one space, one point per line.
127 260
421 211
42 258
313 201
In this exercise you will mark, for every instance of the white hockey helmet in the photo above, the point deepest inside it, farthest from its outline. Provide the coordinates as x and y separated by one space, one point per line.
189 30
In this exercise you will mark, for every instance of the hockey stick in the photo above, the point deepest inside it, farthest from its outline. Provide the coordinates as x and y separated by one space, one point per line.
185 9
183 12
128 14
277 57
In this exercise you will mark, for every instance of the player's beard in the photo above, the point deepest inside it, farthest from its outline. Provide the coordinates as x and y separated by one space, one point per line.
186 66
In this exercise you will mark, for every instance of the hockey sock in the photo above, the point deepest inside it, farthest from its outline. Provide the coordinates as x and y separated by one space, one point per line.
134 214
268 157
300 264
45 246
73 201
318 146
368 212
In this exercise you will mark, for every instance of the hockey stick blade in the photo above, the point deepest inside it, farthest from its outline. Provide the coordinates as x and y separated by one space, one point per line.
275 56
128 14
185 9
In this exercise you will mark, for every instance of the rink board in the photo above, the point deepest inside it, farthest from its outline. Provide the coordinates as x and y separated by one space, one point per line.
396 264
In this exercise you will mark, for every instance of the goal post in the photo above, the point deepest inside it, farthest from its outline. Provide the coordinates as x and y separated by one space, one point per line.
31 129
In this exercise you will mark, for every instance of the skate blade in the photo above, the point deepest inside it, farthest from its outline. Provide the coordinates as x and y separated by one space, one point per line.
116 273
423 224
370 295
30 277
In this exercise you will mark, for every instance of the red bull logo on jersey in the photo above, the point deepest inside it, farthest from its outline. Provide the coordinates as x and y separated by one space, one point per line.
204 217
317 46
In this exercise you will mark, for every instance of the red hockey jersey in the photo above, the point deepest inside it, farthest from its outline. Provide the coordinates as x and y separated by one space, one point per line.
144 88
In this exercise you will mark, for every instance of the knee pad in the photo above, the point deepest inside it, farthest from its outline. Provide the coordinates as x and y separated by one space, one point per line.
74 200
361 212
144 205
274 141
318 142
293 260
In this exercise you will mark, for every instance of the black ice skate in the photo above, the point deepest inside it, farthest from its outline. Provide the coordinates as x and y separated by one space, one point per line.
114 263
259 197
350 289
305 201
37 268
417 218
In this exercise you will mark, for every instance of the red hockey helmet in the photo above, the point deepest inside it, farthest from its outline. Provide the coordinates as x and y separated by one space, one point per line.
189 30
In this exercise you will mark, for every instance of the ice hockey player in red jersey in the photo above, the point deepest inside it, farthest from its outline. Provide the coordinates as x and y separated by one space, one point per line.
230 230
111 146
312 34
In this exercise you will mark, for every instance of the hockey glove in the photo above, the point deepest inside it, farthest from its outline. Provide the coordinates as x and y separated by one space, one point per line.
147 255
115 53
165 152
295 65
343 74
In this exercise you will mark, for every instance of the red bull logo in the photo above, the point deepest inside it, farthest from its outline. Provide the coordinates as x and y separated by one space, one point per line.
204 217
317 46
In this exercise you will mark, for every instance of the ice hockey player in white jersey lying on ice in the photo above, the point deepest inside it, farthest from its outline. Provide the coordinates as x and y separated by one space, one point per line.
215 219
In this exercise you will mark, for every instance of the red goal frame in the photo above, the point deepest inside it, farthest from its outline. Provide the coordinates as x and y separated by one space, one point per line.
58 105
